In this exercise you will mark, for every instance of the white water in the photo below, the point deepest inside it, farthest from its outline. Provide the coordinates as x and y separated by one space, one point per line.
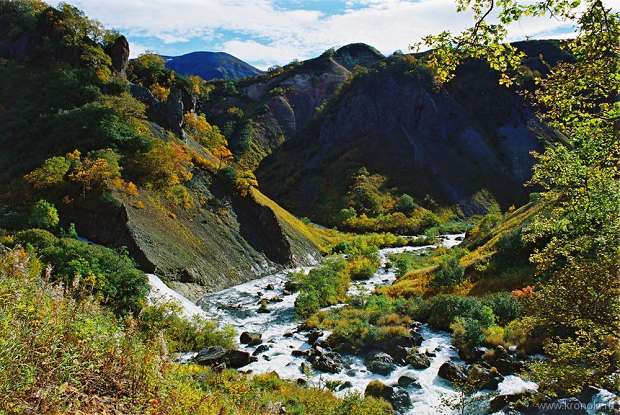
161 293
238 306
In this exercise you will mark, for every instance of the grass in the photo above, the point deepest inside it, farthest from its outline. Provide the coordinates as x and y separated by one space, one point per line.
321 238
61 355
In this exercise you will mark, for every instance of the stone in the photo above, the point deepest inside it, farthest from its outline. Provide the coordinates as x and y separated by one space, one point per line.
251 339
418 360
451 371
210 356
325 361
398 398
313 336
119 52
238 358
381 363
217 356
406 381
261 349
484 378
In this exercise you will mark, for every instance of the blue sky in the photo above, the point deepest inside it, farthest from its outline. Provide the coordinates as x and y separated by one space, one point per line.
268 32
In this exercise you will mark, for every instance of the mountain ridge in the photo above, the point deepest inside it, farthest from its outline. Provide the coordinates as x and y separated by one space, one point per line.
211 65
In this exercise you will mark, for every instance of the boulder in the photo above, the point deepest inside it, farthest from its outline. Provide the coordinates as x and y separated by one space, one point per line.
378 389
119 52
518 401
217 356
210 356
252 339
406 381
238 358
398 398
418 360
381 363
325 361
484 378
452 372
261 349
313 336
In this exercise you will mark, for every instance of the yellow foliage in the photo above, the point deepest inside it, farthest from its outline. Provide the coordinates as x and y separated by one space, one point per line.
160 92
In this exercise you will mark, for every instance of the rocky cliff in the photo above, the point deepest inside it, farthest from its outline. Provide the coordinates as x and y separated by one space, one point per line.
445 144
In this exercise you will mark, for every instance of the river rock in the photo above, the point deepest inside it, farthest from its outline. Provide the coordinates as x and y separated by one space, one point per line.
261 349
238 358
325 361
378 389
397 397
381 363
452 372
313 336
418 360
252 339
523 401
484 378
216 356
263 307
400 399
210 356
406 381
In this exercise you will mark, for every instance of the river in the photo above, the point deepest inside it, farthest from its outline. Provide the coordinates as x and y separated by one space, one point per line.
238 306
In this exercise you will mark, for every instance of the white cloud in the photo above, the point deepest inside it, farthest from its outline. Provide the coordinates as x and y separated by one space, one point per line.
263 34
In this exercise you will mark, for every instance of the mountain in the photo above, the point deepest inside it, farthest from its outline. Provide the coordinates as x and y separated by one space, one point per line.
211 66
309 127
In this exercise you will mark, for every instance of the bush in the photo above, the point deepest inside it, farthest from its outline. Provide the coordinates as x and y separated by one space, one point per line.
449 273
323 286
440 311
405 204
110 277
505 307
184 335
44 215
467 334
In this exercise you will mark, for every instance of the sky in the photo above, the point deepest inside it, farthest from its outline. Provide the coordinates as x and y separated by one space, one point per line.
274 32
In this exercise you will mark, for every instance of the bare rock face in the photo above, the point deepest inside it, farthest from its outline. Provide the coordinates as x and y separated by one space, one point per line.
119 52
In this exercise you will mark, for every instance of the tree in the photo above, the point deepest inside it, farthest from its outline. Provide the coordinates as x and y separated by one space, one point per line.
577 232
405 204
97 172
51 173
44 215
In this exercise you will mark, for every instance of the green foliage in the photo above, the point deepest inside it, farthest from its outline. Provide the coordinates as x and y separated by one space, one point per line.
44 215
449 273
505 307
366 323
58 353
442 310
322 286
181 334
405 204
109 276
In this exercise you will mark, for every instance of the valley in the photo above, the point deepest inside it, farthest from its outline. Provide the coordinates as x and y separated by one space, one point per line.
421 232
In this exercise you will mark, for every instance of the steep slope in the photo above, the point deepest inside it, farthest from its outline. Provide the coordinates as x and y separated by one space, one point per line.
211 66
115 159
442 144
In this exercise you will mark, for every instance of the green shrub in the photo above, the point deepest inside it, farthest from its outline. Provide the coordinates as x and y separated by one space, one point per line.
405 204
109 276
449 273
505 307
323 286
181 334
44 215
